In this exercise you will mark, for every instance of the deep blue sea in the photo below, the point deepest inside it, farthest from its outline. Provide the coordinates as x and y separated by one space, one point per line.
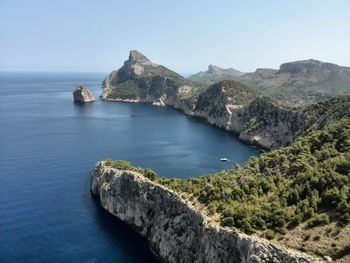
48 146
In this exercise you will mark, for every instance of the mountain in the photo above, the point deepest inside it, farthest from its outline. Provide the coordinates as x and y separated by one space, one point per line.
257 108
301 82
295 196
215 74
175 225
140 80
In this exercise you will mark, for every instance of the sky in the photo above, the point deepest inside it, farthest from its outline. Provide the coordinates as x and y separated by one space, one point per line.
185 36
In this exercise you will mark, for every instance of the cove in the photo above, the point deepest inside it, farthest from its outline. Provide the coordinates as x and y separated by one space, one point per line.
49 144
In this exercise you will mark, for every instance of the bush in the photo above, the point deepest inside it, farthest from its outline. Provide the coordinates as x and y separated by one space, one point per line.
306 237
318 220
269 234
317 238
150 174
228 221
344 251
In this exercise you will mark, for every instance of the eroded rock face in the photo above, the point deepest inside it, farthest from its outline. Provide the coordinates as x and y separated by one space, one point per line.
82 95
227 104
255 119
174 229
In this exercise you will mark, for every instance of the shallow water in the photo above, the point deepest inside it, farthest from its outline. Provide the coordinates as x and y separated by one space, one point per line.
48 146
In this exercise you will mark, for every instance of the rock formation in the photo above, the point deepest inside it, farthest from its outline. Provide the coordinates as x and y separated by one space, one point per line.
82 95
233 106
141 80
301 82
215 74
174 228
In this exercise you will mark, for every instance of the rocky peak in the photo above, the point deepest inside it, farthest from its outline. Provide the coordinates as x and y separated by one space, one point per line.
136 56
212 69
82 95
306 66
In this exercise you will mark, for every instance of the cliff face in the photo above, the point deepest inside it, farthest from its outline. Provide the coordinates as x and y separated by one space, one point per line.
257 120
228 104
301 82
215 74
140 80
82 95
174 229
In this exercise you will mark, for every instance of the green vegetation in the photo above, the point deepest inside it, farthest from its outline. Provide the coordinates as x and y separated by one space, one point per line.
318 220
337 253
125 165
126 90
308 180
215 98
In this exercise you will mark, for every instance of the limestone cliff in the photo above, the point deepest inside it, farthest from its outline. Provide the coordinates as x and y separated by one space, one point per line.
140 80
228 104
255 119
301 82
215 74
174 229
82 95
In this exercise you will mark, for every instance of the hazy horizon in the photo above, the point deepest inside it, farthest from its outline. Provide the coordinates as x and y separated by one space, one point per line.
89 36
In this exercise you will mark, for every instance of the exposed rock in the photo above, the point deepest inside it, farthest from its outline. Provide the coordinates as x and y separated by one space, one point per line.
176 230
215 74
159 103
82 95
142 80
301 82
227 104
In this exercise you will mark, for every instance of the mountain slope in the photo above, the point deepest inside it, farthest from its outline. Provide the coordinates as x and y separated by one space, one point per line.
301 82
299 191
215 74
141 80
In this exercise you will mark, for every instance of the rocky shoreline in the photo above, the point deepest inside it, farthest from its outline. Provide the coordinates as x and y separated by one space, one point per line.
174 228
228 104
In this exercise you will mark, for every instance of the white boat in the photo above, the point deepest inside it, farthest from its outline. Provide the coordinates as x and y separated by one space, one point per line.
224 160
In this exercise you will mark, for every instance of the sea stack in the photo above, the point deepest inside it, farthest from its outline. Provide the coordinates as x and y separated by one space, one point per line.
82 95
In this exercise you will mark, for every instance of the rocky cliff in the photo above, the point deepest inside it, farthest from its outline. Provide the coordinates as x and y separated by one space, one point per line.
231 105
82 95
140 80
255 119
174 228
301 82
215 74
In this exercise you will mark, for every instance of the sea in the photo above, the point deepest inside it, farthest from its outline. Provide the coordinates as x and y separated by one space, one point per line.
49 145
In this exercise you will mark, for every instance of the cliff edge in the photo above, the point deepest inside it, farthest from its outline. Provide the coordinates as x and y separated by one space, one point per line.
175 229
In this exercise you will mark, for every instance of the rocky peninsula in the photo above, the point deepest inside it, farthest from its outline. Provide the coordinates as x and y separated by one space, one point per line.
297 190
253 116
175 228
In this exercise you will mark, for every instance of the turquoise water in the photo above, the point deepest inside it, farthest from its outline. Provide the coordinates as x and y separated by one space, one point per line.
48 146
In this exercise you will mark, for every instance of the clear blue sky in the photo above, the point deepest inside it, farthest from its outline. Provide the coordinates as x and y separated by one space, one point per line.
186 36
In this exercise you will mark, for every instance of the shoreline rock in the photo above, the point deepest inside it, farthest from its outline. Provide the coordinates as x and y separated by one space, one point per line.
82 95
174 228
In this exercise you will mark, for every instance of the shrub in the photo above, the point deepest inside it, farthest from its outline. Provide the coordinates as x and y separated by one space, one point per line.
317 238
306 237
318 220
150 174
269 234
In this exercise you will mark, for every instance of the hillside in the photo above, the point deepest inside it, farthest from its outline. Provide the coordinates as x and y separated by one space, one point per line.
297 195
141 80
301 82
296 84
215 74
256 112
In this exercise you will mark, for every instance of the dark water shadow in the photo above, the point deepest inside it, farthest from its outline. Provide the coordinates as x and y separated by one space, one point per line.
122 236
